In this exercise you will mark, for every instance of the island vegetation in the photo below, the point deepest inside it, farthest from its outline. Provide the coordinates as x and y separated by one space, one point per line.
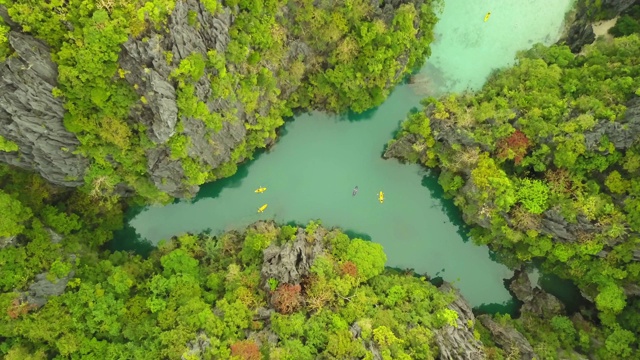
543 161
628 23
280 292
165 84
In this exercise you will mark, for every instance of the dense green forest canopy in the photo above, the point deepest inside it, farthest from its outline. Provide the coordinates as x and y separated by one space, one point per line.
122 306
240 296
545 161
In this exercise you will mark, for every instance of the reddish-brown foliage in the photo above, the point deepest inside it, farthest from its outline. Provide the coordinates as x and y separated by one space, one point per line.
18 308
516 142
306 282
558 180
246 350
349 268
286 299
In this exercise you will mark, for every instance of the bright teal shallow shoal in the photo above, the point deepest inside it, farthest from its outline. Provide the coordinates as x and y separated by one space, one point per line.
313 169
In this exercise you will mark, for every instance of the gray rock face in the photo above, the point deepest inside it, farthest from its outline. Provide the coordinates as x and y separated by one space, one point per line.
40 291
508 338
581 33
618 6
264 336
554 224
521 286
166 173
8 241
536 301
402 148
622 134
149 71
198 346
291 261
631 289
458 343
4 14
32 118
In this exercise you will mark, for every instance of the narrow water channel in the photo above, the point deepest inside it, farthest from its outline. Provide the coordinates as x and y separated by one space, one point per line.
319 159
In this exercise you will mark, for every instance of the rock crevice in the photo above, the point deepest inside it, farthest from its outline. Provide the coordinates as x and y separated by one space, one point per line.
32 117
458 342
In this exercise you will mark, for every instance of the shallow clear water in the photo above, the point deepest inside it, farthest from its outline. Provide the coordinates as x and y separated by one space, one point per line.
319 159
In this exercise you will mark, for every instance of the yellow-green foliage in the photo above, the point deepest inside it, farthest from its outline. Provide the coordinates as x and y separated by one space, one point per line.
4 42
30 209
152 308
7 145
533 121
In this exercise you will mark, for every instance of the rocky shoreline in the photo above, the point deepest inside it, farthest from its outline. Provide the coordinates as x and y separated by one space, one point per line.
580 31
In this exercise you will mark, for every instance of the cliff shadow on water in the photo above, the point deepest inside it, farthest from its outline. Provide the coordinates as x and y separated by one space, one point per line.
353 234
511 307
127 239
565 290
352 116
430 181
213 189
357 235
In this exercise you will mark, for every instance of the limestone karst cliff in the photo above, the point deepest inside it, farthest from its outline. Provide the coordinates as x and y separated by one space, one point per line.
160 99
31 116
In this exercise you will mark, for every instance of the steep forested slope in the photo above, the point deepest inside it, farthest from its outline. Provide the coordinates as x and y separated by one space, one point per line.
545 161
155 98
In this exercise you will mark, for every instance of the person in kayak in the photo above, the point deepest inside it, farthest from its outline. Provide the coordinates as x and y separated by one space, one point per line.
355 191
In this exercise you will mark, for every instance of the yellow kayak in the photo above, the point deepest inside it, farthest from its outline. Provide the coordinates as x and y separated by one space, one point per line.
261 208
486 17
381 197
261 190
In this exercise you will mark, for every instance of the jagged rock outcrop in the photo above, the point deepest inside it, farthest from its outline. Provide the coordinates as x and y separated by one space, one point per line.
580 33
40 291
617 6
356 333
508 339
553 223
402 148
8 241
146 68
197 347
264 336
623 134
289 262
31 116
536 301
458 343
